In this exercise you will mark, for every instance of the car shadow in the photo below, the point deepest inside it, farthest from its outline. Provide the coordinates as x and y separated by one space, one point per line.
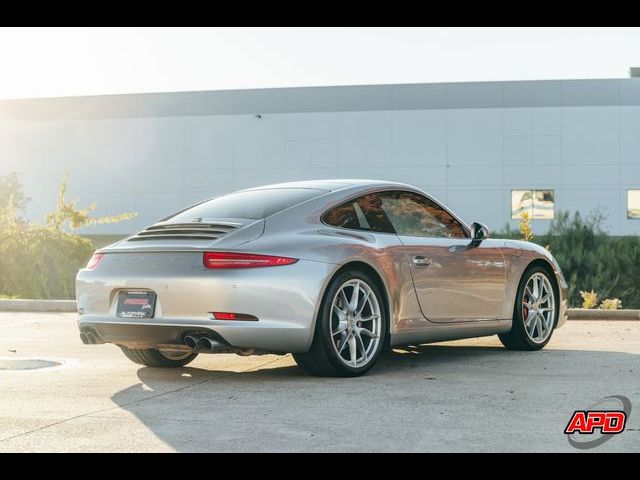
410 391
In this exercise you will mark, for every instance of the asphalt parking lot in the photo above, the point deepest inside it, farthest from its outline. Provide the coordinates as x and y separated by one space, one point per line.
470 395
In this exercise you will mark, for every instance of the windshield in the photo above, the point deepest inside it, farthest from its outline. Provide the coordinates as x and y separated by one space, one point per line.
251 204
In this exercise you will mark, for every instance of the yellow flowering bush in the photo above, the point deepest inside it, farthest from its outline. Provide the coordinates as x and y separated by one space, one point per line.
589 299
611 304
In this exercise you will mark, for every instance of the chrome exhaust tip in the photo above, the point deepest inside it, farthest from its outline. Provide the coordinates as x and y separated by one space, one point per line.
191 342
206 344
90 337
210 345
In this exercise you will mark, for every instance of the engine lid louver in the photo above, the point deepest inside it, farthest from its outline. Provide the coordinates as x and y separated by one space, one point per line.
184 231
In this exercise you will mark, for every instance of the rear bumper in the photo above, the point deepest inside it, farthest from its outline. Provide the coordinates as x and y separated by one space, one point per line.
284 299
145 335
272 337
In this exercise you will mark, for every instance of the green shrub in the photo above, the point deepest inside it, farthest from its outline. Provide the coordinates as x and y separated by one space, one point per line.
593 260
41 261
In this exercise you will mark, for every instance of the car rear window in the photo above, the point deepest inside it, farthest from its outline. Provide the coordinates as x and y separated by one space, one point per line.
251 204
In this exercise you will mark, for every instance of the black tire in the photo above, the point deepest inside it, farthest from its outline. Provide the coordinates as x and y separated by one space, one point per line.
517 338
152 357
322 358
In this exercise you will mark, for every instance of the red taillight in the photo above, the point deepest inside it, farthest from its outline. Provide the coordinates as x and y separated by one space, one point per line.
95 261
243 260
233 316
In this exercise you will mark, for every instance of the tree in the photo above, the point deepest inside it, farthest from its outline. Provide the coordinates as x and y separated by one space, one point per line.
67 212
12 196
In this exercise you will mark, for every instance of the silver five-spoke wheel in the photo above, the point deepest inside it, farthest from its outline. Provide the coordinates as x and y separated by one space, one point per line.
538 308
535 311
355 323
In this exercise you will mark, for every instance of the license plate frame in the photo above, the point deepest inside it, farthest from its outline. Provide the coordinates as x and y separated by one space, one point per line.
134 304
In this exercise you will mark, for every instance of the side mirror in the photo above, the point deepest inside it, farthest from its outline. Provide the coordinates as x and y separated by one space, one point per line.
479 232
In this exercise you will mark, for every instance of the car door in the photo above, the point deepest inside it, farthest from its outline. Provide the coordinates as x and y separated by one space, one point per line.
454 279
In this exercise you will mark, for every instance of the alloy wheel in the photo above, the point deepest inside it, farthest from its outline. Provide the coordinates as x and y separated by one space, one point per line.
355 323
538 308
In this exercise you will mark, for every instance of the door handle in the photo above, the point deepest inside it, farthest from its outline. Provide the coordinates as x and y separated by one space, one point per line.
421 261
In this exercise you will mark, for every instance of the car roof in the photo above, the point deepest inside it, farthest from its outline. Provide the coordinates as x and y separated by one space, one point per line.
329 184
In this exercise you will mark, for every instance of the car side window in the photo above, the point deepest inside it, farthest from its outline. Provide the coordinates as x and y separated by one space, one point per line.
344 216
414 215
371 206
363 213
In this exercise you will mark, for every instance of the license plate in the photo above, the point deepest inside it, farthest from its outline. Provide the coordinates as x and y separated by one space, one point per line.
136 304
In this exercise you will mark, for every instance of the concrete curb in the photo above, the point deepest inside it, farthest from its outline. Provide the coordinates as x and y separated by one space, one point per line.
599 314
38 306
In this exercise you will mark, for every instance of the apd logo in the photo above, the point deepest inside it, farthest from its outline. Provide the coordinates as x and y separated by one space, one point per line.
596 425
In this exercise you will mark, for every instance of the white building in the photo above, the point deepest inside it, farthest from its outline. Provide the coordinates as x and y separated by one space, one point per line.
484 149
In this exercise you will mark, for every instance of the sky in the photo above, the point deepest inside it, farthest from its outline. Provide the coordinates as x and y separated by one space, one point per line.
47 62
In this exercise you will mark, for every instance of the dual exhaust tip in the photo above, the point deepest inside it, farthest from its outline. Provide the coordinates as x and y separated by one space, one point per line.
89 338
202 344
197 343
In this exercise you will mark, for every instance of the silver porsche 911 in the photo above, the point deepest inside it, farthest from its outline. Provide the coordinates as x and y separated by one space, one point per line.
334 272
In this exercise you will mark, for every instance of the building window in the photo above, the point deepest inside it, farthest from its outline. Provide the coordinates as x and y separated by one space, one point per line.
633 204
538 203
